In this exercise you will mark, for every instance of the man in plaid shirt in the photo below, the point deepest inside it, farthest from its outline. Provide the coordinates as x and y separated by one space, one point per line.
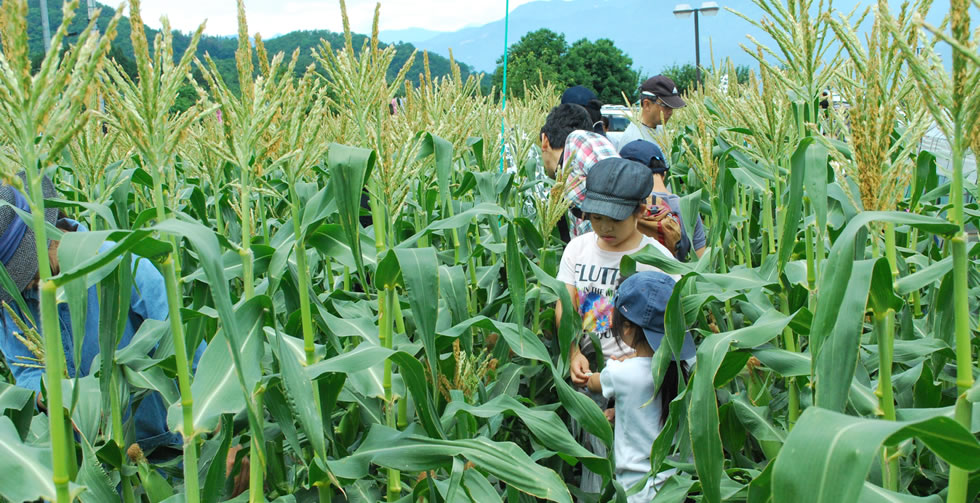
583 149
567 125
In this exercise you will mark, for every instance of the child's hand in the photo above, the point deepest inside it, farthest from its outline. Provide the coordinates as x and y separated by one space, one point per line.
580 369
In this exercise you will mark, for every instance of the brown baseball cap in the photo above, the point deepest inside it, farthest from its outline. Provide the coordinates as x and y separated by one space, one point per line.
661 87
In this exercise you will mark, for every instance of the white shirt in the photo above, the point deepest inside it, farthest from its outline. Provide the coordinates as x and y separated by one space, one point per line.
594 273
630 382
634 132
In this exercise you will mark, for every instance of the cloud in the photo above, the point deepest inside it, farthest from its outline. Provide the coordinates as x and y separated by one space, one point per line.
273 17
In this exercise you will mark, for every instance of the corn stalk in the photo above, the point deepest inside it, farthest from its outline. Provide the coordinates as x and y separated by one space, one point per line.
141 112
39 115
246 117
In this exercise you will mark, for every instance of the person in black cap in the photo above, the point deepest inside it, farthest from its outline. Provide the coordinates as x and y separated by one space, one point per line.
583 96
650 155
658 100
614 198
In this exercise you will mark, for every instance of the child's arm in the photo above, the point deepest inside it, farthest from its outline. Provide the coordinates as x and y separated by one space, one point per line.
594 384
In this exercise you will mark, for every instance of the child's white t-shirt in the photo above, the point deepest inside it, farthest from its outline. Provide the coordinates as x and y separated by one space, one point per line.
594 273
631 384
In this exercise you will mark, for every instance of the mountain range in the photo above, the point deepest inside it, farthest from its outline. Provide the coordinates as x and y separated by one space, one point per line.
222 48
645 30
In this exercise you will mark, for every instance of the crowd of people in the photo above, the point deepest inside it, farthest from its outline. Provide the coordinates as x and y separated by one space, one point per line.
620 204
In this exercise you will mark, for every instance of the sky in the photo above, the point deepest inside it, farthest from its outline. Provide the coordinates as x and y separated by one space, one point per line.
276 17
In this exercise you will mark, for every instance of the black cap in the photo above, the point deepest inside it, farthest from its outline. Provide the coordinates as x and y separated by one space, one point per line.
643 152
663 88
579 95
614 187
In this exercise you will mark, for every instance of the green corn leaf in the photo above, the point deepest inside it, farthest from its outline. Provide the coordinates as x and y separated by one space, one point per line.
349 168
455 481
216 388
805 155
546 426
98 486
784 363
815 181
299 395
834 285
409 452
871 493
756 420
214 481
366 356
924 277
442 152
703 413
25 470
420 272
479 488
834 373
516 280
14 397
827 456
452 287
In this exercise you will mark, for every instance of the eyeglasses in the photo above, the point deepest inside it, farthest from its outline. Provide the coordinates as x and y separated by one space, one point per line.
659 101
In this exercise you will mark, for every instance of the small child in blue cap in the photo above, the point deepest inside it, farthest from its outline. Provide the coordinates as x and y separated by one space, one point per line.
638 322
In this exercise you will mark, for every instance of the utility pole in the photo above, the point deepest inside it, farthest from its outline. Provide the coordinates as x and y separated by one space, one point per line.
45 26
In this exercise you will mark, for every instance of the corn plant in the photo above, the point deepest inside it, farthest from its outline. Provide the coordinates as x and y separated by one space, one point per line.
827 311
41 115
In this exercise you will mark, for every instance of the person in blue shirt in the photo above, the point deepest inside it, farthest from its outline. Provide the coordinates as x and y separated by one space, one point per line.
148 302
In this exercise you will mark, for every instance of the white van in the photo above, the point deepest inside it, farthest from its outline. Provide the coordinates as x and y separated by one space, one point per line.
618 116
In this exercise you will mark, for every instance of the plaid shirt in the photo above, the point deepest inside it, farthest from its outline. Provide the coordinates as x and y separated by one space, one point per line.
583 149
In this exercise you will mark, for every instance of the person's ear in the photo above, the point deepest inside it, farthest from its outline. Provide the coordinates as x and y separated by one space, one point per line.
545 144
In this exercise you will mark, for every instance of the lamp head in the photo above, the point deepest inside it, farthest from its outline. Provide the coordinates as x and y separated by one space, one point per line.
683 10
709 8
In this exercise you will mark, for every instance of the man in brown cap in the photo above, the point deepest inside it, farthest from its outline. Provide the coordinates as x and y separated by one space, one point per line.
658 99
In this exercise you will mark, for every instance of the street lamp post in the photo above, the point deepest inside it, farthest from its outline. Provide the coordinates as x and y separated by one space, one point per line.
684 10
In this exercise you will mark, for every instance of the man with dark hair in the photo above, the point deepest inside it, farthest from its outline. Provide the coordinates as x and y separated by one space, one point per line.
568 143
658 99
650 155
561 121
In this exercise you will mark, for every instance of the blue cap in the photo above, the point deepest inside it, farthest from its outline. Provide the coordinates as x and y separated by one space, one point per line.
579 95
643 152
642 299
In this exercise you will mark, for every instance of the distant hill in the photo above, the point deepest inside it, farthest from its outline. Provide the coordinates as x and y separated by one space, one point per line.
222 48
408 35
647 31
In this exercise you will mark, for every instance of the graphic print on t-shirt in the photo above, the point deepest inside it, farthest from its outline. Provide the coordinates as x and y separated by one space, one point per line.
596 292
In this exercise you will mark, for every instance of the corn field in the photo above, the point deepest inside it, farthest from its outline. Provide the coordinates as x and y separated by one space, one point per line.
408 352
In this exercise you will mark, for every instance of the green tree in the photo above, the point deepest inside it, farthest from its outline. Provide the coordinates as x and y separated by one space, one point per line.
544 55
537 55
685 76
602 67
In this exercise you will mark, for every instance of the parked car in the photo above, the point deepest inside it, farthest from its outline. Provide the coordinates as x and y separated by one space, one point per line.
618 121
